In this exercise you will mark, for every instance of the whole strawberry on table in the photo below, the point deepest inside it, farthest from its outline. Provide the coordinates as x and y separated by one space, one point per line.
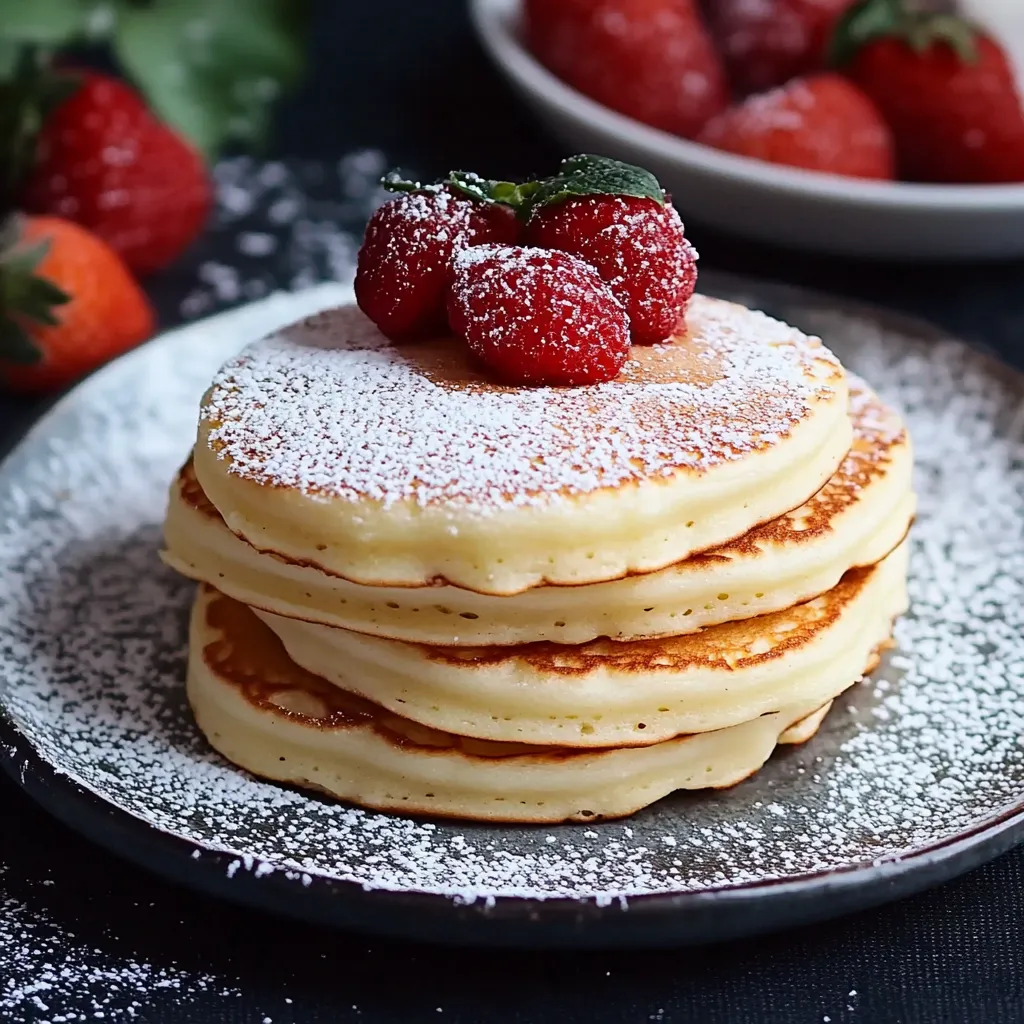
113 179
67 304
111 194
874 89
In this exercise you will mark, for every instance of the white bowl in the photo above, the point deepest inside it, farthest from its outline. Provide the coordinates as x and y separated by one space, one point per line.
786 206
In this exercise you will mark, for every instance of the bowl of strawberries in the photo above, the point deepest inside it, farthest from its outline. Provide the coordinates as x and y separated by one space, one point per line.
873 128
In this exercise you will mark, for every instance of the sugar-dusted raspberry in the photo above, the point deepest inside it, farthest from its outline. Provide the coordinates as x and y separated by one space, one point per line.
639 249
537 317
404 264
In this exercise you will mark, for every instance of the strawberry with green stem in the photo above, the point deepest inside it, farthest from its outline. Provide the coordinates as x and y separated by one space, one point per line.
946 89
67 304
104 161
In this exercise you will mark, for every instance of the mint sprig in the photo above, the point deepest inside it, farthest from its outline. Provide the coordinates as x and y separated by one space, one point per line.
587 175
583 175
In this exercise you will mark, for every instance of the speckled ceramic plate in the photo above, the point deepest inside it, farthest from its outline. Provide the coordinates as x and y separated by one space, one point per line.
917 774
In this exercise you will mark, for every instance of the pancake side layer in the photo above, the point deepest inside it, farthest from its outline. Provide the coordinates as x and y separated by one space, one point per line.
270 717
606 693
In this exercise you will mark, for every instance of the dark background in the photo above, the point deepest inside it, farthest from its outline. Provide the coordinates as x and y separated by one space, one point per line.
407 78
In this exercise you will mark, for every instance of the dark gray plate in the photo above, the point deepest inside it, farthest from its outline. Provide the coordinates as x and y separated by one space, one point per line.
917 775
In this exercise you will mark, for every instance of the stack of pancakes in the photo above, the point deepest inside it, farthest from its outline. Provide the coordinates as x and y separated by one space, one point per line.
424 591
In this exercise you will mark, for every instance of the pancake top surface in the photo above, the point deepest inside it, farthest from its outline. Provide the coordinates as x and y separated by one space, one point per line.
329 407
879 434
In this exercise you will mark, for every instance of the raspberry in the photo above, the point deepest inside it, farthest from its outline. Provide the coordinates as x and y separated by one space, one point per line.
820 123
537 317
404 265
638 248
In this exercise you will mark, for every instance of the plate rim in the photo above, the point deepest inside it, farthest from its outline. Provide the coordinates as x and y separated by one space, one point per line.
491 19
652 920
647 920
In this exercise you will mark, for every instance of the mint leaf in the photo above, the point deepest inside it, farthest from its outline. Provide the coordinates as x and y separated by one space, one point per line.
486 190
212 68
469 184
578 176
394 182
587 175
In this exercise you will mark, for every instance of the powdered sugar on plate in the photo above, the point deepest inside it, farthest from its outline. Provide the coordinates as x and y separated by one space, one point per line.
330 407
93 655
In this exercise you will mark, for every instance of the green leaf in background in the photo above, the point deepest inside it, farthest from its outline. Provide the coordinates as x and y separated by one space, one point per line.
212 68
46 22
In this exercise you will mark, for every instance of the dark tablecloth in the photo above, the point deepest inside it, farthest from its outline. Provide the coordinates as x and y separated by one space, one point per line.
406 78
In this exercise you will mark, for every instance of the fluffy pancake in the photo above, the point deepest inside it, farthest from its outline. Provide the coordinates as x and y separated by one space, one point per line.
269 716
856 519
402 466
609 694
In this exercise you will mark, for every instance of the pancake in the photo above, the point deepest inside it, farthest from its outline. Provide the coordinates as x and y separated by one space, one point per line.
276 720
860 515
605 694
401 466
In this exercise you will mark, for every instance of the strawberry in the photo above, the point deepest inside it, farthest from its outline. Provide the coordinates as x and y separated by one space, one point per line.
67 304
637 246
820 123
403 267
548 27
649 59
104 161
765 43
537 317
947 90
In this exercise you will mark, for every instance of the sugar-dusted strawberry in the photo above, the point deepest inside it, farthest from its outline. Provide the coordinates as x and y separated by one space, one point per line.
67 304
404 265
650 59
637 246
765 43
105 162
820 123
537 317
946 89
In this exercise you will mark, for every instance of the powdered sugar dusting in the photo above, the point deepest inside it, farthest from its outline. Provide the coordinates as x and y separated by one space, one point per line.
329 407
50 976
94 654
